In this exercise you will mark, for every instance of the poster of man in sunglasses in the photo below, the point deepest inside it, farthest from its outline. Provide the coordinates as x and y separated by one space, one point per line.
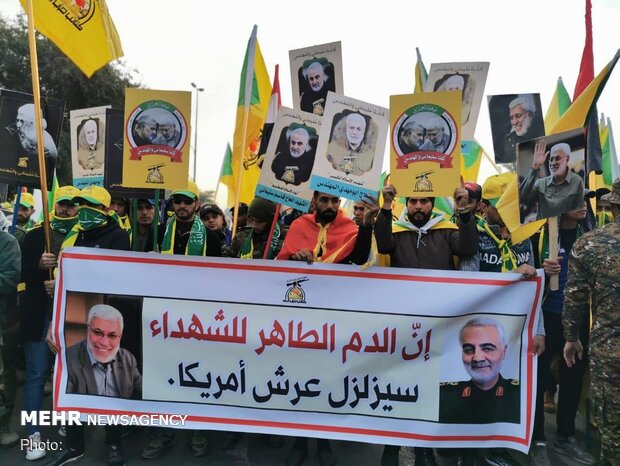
551 174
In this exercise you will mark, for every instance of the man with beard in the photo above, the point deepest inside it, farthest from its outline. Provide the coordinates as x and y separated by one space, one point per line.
36 306
325 236
523 126
561 191
436 138
593 287
90 151
411 137
26 132
185 235
313 99
352 154
99 366
146 215
487 397
144 130
423 239
169 133
251 241
25 209
295 166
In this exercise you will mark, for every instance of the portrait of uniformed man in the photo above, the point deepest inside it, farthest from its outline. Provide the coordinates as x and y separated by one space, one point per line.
487 397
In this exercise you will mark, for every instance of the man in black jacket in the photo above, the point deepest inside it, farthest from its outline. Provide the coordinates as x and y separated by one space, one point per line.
36 305
95 228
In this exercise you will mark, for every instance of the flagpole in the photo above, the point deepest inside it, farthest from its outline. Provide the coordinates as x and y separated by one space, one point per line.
249 78
217 190
36 91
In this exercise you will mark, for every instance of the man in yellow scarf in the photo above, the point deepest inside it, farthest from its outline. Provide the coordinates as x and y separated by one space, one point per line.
425 240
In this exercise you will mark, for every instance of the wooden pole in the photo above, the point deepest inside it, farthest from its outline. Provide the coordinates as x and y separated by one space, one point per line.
553 250
36 91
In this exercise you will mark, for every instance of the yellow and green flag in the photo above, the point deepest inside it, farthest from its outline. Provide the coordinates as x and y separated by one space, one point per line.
471 157
254 95
576 116
83 30
558 106
421 75
226 175
508 209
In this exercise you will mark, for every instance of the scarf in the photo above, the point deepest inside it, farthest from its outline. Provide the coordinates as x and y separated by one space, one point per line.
331 243
247 248
197 243
436 222
509 259
62 224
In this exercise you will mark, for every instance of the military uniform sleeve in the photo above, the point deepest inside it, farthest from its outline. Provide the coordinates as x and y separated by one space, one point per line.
577 291
383 232
10 263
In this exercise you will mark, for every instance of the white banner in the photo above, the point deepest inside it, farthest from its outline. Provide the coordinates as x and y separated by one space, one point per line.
381 356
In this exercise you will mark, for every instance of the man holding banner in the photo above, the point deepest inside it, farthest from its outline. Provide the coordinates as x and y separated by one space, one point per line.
421 239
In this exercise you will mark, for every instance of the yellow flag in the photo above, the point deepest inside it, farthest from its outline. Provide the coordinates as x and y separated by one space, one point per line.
254 95
81 29
508 209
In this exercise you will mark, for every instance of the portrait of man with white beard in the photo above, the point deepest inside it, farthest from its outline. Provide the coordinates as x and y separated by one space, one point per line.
514 119
19 160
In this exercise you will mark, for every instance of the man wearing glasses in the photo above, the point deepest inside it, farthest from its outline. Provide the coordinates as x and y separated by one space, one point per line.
185 233
99 366
561 191
523 126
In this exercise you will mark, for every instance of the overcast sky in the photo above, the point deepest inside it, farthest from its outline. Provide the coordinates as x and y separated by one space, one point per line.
529 43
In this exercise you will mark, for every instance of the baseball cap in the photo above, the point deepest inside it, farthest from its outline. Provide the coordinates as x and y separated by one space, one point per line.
614 195
95 195
474 190
149 201
191 191
211 208
66 193
495 186
26 200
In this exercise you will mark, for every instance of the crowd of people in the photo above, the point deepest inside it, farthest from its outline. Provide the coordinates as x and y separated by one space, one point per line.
475 238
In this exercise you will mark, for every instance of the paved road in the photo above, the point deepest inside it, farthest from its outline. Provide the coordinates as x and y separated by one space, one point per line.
252 449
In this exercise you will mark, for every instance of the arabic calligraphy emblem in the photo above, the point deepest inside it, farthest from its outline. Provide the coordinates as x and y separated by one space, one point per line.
295 293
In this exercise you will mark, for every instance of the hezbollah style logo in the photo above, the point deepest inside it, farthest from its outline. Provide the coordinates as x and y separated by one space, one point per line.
295 294
156 127
425 133
77 12
423 183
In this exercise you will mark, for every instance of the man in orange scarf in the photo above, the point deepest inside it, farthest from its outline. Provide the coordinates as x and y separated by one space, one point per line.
327 235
